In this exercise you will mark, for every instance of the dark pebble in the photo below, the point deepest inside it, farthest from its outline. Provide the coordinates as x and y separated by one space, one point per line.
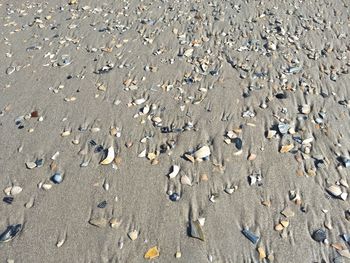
39 162
174 197
92 143
20 127
238 143
281 96
319 235
10 232
99 149
103 204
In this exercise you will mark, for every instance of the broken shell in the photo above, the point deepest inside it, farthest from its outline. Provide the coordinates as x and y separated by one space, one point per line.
65 133
30 165
335 190
203 152
142 154
60 243
46 186
152 253
110 156
139 101
286 148
99 222
196 230
279 227
133 235
262 253
16 190
185 180
285 223
115 223
10 233
343 196
252 237
175 169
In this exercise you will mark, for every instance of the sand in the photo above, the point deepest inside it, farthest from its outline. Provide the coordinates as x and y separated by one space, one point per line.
157 80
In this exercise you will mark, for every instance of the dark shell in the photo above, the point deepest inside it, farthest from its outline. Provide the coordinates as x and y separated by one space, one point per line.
252 237
238 143
8 200
39 162
10 232
174 197
319 235
103 204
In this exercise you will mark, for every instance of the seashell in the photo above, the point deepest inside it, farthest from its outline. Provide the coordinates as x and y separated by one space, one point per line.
30 203
145 110
307 141
335 190
203 152
283 128
54 157
115 223
262 253
196 230
285 223
75 141
185 180
110 156
286 148
85 163
238 153
279 227
188 52
152 253
99 222
344 253
133 235
175 169
270 134
10 233
65 133
157 119
178 254
343 196
252 237
139 101
30 165
305 109
60 243
46 186
142 154
201 221
7 190
288 212
344 183
16 190
95 129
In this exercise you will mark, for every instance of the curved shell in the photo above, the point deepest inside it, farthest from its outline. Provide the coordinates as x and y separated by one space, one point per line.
110 156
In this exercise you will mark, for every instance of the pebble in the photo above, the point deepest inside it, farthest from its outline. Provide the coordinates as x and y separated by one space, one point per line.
319 235
57 178
30 165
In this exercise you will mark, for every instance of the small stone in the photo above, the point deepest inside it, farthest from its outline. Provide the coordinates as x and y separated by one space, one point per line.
115 223
16 190
319 235
174 197
57 178
133 235
178 254
279 227
262 253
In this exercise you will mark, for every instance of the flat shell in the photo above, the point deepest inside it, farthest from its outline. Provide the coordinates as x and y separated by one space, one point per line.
334 190
16 190
30 165
133 235
10 232
185 180
99 222
196 230
152 253
202 152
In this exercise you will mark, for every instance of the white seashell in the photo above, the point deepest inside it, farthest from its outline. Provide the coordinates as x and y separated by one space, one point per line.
344 196
203 152
231 134
106 185
142 154
174 171
139 101
146 109
133 235
75 141
110 156
95 129
30 203
7 190
30 165
156 119
238 152
185 180
344 183
309 140
46 186
54 157
60 243
188 52
16 190
335 190
201 221
65 133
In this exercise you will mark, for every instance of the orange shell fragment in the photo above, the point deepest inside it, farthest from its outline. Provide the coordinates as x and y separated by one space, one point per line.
152 253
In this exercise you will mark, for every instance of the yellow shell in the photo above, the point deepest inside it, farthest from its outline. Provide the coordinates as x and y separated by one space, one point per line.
152 253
